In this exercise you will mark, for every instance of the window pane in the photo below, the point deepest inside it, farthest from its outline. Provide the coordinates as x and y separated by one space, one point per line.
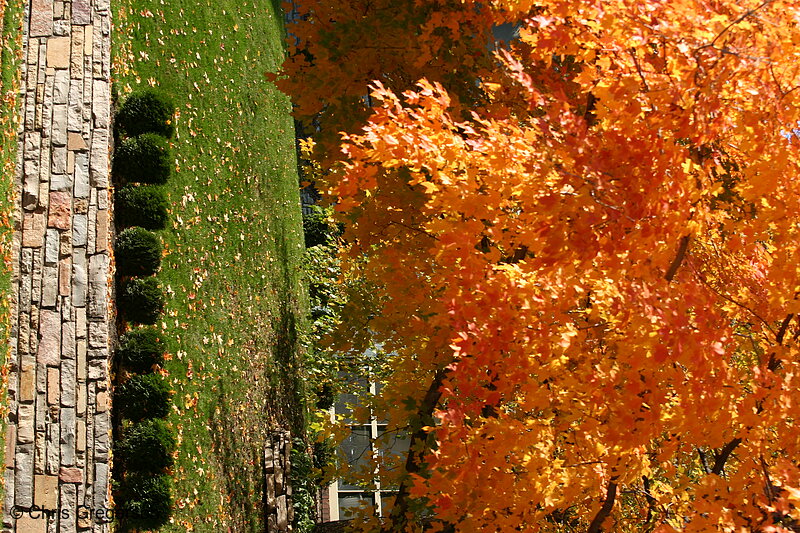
380 416
392 443
387 500
355 451
349 502
358 388
393 448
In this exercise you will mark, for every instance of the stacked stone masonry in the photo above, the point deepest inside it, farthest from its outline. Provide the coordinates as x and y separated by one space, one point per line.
57 441
278 497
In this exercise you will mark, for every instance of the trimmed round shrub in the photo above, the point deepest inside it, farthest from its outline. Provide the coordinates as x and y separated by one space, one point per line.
145 502
138 252
143 159
140 349
141 205
146 446
141 300
143 397
147 111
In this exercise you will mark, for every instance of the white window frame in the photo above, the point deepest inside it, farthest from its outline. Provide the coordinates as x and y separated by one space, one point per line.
376 491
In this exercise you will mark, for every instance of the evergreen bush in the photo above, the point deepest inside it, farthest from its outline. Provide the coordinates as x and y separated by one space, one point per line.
146 447
143 159
144 206
138 252
148 111
141 397
141 300
140 349
145 502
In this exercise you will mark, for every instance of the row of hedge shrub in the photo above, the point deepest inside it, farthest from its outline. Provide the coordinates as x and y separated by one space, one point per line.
144 447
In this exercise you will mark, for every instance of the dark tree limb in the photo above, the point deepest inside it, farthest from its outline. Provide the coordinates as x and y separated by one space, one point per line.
722 456
683 245
418 447
651 501
775 363
769 489
589 115
784 326
605 510
703 461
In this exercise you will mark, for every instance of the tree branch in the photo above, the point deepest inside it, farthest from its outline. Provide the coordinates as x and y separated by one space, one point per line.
605 510
775 363
721 457
731 300
651 501
632 52
783 328
676 263
769 490
741 18
417 448
703 461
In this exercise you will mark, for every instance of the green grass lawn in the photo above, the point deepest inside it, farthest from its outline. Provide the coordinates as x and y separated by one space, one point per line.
11 14
235 302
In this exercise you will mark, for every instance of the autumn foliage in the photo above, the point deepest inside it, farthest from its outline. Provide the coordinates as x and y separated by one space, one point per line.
586 247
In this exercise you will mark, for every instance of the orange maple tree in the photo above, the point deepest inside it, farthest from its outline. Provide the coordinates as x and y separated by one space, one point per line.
586 246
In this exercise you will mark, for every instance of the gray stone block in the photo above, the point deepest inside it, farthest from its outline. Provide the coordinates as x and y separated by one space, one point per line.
99 163
98 286
59 129
102 426
52 243
98 334
81 175
23 476
8 500
100 485
59 163
49 286
61 28
80 230
98 370
100 108
67 440
80 281
68 382
75 106
61 87
68 349
67 522
61 182
32 144
53 448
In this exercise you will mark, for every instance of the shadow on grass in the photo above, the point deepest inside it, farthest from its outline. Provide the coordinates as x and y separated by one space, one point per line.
270 396
286 348
242 478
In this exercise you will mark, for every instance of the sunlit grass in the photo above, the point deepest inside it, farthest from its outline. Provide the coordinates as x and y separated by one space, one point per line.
11 15
235 303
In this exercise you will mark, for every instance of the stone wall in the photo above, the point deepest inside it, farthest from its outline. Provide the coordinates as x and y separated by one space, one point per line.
57 442
277 489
